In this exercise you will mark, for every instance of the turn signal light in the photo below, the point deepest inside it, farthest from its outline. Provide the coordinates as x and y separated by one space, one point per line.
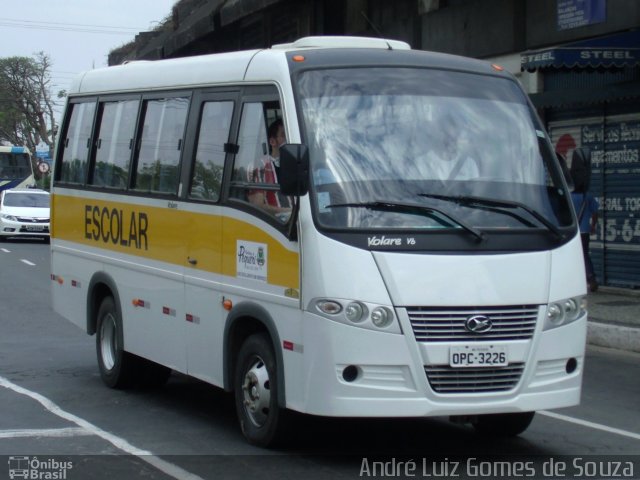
227 304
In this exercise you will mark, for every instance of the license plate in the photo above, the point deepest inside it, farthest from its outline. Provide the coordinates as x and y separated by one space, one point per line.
478 356
34 228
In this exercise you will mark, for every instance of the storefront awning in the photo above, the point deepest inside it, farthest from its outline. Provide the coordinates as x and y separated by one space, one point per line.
613 51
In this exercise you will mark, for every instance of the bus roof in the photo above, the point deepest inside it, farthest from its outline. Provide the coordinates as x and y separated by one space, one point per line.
13 149
269 65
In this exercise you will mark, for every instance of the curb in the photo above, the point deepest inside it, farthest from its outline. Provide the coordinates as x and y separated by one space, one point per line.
613 336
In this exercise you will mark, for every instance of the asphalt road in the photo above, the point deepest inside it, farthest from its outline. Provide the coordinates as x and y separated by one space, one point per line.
58 418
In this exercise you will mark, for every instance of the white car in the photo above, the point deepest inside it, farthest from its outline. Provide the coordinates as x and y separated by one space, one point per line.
24 213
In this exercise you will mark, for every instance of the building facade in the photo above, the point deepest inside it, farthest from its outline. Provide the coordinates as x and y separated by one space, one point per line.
578 59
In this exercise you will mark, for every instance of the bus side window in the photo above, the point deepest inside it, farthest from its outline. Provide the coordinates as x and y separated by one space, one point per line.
252 142
257 162
158 163
215 121
77 143
114 145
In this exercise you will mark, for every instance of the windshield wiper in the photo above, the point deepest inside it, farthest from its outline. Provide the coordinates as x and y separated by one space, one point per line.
410 208
497 206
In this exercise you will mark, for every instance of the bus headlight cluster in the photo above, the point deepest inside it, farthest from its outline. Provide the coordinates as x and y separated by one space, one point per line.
565 311
357 314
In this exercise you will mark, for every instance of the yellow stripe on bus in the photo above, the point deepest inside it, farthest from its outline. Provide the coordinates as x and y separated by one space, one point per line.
169 235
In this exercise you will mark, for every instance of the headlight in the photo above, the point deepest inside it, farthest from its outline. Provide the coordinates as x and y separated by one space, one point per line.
565 311
355 313
381 317
9 217
555 314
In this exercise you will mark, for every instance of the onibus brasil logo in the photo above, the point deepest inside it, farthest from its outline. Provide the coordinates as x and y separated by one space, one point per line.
33 468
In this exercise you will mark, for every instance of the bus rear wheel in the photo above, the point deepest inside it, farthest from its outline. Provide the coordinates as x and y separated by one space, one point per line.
256 392
503 424
117 367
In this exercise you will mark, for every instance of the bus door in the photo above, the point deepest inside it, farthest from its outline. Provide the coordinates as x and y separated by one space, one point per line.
203 323
259 259
156 281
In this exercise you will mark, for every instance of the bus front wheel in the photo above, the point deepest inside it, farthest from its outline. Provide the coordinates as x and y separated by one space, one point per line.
116 366
256 392
503 424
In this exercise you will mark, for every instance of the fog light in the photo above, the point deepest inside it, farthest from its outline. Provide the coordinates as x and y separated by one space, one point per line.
355 312
381 317
572 364
350 373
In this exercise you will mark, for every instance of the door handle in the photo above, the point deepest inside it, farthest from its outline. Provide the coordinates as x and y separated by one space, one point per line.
192 261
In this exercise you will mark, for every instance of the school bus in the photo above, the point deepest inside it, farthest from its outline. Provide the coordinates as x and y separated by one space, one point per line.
339 226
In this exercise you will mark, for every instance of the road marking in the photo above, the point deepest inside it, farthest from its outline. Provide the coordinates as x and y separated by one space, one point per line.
5 250
120 443
44 432
27 262
586 423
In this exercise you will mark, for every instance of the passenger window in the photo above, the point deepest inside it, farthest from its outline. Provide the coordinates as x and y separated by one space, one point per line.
115 144
213 134
158 165
257 164
77 143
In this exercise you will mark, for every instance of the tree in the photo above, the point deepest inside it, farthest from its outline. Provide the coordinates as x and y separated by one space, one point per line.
27 114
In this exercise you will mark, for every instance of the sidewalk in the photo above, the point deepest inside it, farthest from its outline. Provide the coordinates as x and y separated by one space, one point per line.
614 318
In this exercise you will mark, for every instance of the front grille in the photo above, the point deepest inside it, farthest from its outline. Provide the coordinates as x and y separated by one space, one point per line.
446 324
32 220
24 229
445 379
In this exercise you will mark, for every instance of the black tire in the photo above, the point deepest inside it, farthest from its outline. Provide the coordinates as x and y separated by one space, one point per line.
262 421
503 424
117 367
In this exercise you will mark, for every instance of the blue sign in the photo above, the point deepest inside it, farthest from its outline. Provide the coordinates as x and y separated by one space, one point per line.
578 13
613 51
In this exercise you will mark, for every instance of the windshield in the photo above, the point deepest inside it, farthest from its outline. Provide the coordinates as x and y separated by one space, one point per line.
427 138
33 200
14 165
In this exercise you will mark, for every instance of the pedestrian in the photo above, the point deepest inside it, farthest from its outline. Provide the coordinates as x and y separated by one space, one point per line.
586 207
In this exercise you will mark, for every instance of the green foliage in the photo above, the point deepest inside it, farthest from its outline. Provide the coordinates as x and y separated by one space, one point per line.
27 115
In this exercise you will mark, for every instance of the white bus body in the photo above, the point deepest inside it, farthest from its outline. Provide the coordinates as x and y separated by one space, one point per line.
394 290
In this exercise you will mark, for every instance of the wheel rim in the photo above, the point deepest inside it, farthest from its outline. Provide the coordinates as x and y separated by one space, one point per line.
256 392
108 341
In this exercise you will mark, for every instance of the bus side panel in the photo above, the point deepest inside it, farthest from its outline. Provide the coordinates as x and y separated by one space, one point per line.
152 309
140 246
261 266
70 282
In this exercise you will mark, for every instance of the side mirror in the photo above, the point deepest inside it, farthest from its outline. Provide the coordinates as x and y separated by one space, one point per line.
581 169
565 171
294 169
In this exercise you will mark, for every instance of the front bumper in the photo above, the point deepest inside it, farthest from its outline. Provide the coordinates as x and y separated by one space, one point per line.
392 380
10 228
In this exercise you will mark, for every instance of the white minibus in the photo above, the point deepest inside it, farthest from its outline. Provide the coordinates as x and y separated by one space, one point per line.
339 226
